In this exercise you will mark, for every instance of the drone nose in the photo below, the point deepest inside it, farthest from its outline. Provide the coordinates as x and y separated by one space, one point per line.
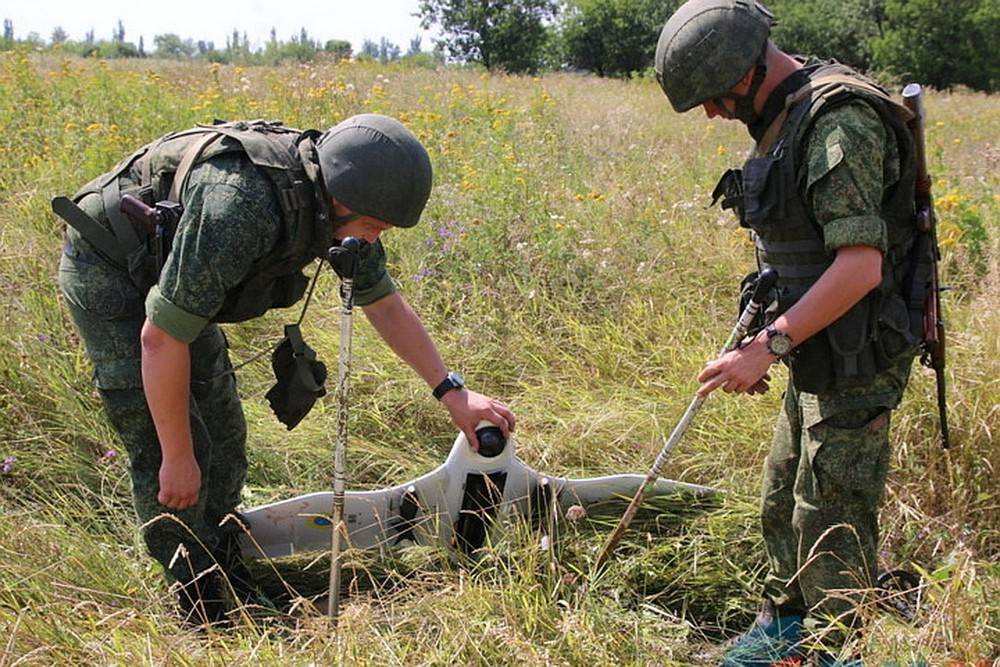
491 441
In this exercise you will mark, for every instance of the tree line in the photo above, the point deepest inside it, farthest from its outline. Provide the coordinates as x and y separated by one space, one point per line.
941 44
300 47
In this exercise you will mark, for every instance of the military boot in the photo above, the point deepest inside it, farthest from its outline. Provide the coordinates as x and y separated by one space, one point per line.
774 639
202 601
245 588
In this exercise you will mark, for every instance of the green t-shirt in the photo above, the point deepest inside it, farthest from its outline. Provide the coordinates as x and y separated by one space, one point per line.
231 221
850 159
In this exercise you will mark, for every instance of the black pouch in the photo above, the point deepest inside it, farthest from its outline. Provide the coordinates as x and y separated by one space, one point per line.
300 378
761 191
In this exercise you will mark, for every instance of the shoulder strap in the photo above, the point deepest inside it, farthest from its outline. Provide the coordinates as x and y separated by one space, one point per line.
191 156
822 86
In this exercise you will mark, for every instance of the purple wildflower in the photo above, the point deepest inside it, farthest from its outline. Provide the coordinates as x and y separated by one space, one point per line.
424 272
8 464
108 456
44 338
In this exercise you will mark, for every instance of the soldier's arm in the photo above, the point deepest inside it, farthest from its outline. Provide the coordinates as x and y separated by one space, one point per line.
229 221
403 331
166 374
848 162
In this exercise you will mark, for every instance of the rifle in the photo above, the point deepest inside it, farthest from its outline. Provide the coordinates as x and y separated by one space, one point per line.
933 338
159 221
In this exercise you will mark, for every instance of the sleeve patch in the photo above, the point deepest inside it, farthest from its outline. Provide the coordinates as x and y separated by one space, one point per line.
824 161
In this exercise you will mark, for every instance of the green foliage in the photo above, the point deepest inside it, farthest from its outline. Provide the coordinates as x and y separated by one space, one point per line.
170 45
339 48
614 37
505 35
842 30
942 44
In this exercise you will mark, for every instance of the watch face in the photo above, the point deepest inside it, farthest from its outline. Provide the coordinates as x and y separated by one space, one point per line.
779 344
456 379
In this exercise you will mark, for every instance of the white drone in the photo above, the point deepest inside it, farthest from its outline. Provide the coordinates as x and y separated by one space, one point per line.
451 505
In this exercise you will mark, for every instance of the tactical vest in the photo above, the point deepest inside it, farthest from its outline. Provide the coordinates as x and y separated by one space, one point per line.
768 195
159 171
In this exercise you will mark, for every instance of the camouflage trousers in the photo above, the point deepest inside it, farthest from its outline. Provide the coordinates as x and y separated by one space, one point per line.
823 482
108 311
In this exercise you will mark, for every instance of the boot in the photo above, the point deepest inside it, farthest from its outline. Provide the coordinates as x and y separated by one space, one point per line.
247 592
202 602
773 639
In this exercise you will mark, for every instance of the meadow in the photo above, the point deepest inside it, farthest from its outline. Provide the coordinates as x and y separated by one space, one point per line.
568 264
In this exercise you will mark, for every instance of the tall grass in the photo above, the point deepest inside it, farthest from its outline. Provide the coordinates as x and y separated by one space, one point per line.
566 264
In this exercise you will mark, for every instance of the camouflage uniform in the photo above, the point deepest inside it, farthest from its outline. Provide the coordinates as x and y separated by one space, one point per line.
825 474
231 220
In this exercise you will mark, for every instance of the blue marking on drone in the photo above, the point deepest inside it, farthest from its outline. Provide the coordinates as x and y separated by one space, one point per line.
321 521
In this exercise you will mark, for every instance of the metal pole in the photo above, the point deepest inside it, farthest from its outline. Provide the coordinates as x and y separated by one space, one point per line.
344 261
764 284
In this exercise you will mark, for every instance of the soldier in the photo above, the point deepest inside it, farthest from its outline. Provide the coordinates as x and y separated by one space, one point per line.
828 197
255 204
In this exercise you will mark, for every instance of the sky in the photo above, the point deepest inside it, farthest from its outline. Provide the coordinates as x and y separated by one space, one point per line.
214 20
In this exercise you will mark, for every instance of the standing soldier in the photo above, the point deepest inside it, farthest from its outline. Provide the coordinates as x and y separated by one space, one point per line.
828 197
241 209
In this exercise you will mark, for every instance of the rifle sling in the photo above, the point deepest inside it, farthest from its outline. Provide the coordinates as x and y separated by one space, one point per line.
90 229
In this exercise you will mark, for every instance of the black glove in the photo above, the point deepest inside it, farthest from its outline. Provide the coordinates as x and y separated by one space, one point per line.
300 378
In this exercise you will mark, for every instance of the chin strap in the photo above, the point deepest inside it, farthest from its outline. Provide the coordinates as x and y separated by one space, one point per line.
744 110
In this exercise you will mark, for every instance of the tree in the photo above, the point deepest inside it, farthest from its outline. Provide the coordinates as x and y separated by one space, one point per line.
338 48
387 51
415 44
942 44
171 45
507 35
614 37
8 30
369 49
843 30
118 33
59 36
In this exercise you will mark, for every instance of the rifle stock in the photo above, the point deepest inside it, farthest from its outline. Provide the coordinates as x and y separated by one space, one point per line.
933 352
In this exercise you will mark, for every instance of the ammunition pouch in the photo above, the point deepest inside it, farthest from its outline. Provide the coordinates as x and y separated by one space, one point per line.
300 378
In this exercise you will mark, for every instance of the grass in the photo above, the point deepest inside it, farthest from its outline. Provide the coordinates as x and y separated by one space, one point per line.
566 264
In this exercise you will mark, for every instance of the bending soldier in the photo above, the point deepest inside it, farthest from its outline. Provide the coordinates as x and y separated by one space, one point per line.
259 203
828 198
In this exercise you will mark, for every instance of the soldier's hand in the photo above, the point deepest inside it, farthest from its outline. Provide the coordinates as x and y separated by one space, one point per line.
743 370
180 481
468 408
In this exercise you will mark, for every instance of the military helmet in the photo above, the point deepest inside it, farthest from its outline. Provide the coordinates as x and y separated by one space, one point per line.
707 46
374 166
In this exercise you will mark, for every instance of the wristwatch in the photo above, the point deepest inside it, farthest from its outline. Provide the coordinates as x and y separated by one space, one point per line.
451 381
778 343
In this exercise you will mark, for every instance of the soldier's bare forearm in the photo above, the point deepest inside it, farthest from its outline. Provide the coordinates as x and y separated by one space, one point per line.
400 327
855 272
166 375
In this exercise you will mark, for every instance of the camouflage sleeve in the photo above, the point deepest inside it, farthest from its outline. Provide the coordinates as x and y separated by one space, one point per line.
849 161
230 220
373 281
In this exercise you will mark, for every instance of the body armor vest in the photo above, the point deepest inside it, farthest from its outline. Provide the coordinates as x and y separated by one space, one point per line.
159 171
768 195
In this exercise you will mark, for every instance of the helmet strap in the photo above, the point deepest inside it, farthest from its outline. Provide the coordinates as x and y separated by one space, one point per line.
744 110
